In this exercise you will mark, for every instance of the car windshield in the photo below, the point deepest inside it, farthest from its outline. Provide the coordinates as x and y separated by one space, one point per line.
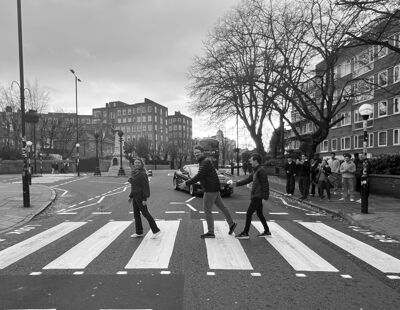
193 170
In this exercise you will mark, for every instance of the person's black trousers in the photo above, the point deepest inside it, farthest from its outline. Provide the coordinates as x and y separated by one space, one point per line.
304 185
138 208
290 184
255 206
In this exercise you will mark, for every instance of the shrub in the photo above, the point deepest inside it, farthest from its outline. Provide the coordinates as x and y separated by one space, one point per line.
385 164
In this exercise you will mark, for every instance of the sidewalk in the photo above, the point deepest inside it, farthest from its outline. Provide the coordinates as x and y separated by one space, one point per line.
12 211
383 212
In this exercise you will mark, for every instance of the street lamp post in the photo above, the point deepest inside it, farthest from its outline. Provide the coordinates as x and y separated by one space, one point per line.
121 171
77 123
365 111
237 141
32 117
41 162
97 169
77 158
29 146
25 185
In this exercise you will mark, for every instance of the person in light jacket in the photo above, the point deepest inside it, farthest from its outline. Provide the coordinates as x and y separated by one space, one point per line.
140 191
259 191
348 170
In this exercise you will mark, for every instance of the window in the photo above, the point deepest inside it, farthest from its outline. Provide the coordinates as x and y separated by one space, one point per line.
124 112
364 89
382 138
129 112
364 62
149 109
396 105
334 145
345 143
381 51
382 109
325 146
149 118
371 139
396 73
396 136
383 78
359 141
395 39
118 112
346 119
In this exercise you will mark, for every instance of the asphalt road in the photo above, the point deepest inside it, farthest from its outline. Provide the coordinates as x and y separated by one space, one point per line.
79 255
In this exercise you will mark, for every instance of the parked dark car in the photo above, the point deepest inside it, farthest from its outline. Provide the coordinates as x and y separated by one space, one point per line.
189 171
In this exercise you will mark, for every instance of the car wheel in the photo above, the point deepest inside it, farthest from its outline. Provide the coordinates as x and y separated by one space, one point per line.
175 182
191 190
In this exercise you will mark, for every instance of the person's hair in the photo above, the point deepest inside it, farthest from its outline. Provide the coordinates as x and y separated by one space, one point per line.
333 153
256 157
198 147
347 155
137 158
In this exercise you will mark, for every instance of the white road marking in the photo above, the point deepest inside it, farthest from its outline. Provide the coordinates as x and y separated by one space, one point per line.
190 199
155 253
225 251
190 207
28 246
84 252
65 191
278 213
175 211
296 253
284 201
101 213
372 256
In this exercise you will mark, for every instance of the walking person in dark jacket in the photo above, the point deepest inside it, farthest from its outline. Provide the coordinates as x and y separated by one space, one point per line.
209 180
259 191
321 179
303 173
290 169
140 191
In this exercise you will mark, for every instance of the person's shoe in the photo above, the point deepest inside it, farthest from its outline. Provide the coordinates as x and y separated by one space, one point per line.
232 228
156 234
207 235
135 235
351 199
243 235
359 201
312 195
265 233
289 194
341 199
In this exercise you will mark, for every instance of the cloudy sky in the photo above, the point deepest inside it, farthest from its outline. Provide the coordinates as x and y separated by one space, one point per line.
121 50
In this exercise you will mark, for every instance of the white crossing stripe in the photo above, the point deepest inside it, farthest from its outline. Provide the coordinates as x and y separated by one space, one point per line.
155 253
376 258
86 251
225 251
28 246
296 253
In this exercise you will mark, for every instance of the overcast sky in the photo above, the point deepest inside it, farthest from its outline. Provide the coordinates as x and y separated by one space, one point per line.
121 50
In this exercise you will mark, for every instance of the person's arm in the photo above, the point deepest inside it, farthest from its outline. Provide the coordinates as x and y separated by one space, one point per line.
248 180
352 168
145 187
203 170
263 177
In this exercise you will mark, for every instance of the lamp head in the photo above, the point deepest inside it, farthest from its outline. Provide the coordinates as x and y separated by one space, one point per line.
29 143
78 145
120 133
72 71
366 109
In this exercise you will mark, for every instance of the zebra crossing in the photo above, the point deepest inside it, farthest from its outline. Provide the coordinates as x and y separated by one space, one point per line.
225 252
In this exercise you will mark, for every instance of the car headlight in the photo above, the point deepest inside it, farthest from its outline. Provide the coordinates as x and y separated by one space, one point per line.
230 182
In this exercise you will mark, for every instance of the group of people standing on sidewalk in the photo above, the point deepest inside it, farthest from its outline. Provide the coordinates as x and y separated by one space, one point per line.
208 178
326 174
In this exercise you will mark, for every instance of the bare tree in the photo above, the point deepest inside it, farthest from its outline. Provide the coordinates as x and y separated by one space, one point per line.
377 23
234 76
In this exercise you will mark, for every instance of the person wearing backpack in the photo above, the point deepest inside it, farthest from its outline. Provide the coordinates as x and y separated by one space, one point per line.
259 191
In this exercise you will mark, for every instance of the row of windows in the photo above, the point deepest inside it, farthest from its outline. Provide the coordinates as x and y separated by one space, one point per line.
384 138
364 61
142 128
178 127
183 120
140 119
149 136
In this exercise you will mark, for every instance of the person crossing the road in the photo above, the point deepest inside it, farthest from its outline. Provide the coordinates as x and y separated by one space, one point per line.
209 180
259 191
140 191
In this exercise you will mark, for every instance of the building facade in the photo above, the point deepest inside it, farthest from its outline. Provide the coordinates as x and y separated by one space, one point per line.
367 74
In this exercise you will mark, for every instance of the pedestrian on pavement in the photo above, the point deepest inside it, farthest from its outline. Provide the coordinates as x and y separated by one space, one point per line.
347 169
323 171
232 167
303 173
365 186
244 167
259 191
290 169
209 180
359 168
314 164
140 191
334 177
